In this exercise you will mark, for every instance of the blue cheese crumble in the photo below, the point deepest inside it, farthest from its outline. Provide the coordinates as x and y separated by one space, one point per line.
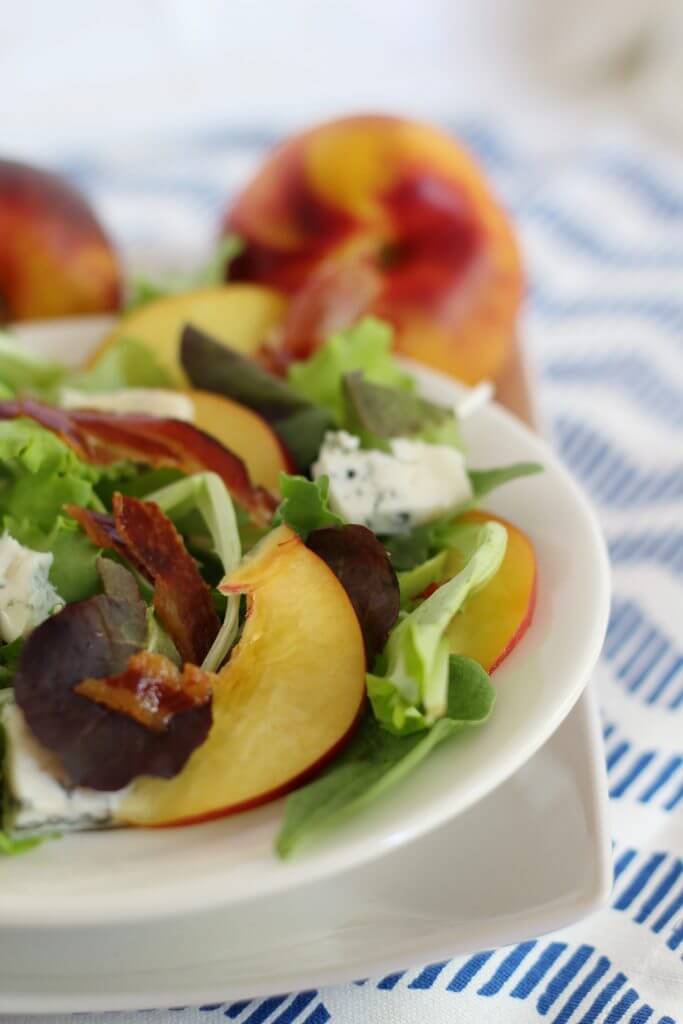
26 595
40 801
391 492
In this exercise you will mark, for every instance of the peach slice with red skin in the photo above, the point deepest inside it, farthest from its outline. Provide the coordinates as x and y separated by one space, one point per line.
496 618
55 258
241 316
286 701
246 434
374 214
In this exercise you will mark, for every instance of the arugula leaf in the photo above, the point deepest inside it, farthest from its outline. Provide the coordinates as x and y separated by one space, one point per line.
377 413
365 346
23 371
300 425
126 364
415 581
215 272
304 504
206 494
303 433
486 480
409 688
376 759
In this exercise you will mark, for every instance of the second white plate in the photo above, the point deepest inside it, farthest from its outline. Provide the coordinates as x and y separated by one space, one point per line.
533 856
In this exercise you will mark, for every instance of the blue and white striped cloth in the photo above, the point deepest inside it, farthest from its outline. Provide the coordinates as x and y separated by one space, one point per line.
602 230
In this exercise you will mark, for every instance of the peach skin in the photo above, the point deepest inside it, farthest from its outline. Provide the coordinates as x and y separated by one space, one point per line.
382 215
55 259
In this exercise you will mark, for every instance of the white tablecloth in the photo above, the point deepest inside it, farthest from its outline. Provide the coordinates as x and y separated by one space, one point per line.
602 230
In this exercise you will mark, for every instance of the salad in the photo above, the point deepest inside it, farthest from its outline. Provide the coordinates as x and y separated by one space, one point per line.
220 585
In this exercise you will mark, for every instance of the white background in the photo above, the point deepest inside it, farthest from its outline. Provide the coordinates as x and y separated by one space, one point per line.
78 72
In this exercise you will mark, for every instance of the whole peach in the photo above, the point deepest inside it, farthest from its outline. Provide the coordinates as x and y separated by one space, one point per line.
55 258
376 214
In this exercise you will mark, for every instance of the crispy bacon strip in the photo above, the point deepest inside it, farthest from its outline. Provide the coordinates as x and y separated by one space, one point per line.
181 597
334 296
101 438
101 529
151 690
141 533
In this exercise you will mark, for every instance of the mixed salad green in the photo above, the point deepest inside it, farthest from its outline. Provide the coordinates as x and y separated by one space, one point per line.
377 489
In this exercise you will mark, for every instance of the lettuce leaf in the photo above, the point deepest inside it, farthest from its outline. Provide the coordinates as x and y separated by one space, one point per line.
376 759
415 581
22 371
126 364
304 504
73 573
409 688
367 347
26 447
206 494
35 462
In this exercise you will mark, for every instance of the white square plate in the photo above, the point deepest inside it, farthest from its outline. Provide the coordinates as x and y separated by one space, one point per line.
531 857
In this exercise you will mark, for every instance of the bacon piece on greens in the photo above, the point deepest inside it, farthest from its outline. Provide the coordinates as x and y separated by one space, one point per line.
96 746
151 690
102 438
141 533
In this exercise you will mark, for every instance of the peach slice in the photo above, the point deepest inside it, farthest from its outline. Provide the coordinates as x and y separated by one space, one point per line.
286 701
396 214
55 258
496 618
240 315
245 433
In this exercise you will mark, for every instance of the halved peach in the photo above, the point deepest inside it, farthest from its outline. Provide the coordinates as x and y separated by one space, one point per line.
245 433
286 701
240 315
496 618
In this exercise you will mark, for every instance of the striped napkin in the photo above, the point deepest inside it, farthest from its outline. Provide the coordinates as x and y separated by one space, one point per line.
602 230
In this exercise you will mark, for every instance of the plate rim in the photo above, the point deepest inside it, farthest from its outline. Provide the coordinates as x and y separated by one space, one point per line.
356 851
550 917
